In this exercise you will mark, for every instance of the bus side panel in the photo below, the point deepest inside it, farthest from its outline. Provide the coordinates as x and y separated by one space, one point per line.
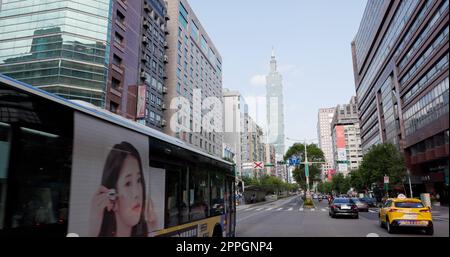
110 181
201 228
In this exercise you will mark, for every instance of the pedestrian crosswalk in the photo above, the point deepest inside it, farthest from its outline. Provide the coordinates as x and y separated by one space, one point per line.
301 209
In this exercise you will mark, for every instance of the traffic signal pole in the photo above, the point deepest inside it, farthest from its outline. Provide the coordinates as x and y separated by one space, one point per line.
306 171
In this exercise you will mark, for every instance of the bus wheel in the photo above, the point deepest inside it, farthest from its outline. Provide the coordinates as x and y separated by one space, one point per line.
217 232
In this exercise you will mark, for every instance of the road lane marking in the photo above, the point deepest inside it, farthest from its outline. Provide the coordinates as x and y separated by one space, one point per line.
373 211
313 209
323 209
279 209
258 209
290 209
372 235
301 209
269 209
249 209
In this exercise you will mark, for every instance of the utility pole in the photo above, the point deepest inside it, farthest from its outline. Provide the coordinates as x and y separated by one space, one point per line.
409 179
306 171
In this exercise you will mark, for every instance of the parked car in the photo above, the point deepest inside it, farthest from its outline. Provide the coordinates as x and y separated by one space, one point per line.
343 207
362 206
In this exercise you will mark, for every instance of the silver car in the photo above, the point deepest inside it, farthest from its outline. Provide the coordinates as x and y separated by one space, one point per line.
362 206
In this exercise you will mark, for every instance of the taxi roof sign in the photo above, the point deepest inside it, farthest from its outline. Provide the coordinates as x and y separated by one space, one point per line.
401 196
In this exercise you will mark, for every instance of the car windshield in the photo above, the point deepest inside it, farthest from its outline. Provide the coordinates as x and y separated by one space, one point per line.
408 205
343 200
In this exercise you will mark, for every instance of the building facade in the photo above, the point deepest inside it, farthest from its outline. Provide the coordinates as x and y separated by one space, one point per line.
324 119
108 53
400 59
275 109
270 157
194 74
346 138
152 59
62 47
235 124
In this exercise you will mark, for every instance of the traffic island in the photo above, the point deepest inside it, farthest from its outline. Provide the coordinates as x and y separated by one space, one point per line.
308 203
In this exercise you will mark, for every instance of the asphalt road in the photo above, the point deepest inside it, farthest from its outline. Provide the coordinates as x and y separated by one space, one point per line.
286 218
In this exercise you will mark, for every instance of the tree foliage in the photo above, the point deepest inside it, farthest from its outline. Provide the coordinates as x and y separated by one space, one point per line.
315 154
340 184
381 160
270 184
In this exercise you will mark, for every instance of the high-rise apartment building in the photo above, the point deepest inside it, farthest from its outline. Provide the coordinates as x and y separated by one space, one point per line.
236 127
346 138
324 119
152 59
400 56
108 53
194 74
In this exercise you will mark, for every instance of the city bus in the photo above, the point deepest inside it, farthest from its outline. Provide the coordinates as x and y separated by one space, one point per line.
70 168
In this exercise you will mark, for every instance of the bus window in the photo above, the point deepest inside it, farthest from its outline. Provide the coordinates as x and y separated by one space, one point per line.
184 213
217 193
4 160
40 153
173 198
198 194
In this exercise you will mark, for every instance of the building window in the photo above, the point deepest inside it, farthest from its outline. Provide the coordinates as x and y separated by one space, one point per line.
118 38
120 17
113 107
115 83
117 60
194 31
183 16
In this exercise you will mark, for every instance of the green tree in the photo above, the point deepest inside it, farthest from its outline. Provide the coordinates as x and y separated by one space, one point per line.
315 154
325 187
340 184
381 160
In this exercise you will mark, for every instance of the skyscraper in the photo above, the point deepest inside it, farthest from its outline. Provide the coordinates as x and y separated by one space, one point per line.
275 109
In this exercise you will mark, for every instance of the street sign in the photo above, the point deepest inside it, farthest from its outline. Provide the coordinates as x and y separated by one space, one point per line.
269 165
294 161
258 165
343 161
386 180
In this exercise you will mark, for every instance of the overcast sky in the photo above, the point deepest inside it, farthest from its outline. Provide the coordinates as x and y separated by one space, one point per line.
312 45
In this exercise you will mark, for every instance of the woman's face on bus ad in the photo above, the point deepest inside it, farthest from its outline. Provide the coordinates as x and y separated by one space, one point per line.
130 192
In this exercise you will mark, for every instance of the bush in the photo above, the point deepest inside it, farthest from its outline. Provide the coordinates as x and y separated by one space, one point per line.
308 203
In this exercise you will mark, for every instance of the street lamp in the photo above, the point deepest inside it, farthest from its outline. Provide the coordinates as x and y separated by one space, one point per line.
306 161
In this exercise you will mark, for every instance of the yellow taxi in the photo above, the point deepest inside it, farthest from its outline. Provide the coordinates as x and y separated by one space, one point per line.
402 212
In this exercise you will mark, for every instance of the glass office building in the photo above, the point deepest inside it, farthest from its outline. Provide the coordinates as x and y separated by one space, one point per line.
58 46
401 61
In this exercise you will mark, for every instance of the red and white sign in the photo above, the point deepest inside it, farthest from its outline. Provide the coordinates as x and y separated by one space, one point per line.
258 165
141 102
386 180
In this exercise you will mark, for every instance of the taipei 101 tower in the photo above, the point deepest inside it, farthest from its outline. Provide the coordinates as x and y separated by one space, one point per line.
275 109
